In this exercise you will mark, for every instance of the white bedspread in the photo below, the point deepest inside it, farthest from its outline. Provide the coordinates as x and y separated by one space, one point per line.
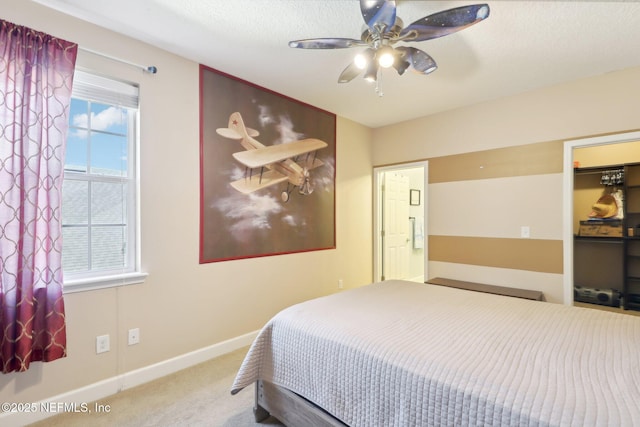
408 354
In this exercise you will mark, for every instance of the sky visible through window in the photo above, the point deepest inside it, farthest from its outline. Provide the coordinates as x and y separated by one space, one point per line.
97 141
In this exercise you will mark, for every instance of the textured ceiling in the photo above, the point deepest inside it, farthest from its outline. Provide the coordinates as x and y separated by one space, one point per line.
523 45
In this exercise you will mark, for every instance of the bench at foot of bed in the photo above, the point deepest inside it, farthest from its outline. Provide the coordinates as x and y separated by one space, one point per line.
490 289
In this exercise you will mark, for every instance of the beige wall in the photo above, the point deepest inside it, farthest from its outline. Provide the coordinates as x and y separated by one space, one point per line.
497 166
184 306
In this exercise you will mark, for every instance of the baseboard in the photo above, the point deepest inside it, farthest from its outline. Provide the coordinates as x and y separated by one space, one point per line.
169 366
126 380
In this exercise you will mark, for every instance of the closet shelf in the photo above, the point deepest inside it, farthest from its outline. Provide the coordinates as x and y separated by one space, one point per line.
600 239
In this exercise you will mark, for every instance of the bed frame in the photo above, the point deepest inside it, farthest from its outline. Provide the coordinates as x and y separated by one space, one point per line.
289 408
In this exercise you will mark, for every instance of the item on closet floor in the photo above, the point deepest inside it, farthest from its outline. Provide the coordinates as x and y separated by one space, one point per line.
608 297
605 207
601 228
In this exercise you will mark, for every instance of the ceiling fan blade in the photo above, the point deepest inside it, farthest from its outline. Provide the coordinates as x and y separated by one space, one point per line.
445 22
349 73
326 43
379 15
420 61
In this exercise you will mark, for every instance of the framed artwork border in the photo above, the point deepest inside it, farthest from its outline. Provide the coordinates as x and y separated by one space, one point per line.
240 218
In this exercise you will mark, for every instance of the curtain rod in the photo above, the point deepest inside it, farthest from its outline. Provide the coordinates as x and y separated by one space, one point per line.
150 69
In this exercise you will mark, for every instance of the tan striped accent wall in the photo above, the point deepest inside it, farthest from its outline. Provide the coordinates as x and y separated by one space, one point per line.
543 256
530 159
478 222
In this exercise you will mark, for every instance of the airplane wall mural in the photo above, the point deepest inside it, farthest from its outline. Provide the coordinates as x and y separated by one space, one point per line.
267 172
290 162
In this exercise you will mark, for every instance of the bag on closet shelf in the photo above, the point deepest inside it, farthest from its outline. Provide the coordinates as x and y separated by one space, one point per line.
605 207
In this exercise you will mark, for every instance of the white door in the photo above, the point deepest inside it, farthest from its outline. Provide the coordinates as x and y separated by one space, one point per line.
396 226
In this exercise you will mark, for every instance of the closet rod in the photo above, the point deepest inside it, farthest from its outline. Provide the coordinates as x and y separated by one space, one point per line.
597 172
150 69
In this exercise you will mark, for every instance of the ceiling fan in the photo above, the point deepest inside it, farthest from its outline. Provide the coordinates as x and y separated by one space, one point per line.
384 29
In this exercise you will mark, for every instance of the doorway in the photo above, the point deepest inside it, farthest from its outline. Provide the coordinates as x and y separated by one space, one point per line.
400 222
568 187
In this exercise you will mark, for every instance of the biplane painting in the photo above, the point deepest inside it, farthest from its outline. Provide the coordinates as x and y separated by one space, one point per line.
290 162
267 172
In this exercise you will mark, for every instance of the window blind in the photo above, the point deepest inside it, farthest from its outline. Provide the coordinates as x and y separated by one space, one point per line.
100 89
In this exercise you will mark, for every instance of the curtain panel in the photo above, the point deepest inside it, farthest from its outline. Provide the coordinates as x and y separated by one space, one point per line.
36 75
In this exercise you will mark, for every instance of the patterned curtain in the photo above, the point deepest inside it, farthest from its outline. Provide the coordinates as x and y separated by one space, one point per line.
36 73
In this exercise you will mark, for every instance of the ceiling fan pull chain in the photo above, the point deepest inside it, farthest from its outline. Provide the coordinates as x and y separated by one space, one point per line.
378 89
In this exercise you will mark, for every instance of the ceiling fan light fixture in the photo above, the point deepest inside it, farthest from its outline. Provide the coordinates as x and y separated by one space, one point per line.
401 66
385 56
361 61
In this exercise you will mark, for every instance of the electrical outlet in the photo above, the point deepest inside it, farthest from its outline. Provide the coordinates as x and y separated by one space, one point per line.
525 232
340 284
134 336
102 344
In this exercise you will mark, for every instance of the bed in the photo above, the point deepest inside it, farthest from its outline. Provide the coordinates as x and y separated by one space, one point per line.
399 353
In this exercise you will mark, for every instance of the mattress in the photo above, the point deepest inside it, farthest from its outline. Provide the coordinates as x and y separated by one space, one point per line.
400 353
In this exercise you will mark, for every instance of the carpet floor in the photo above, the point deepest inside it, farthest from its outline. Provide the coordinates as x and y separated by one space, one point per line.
196 396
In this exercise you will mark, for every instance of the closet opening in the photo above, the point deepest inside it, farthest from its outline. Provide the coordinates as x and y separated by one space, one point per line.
602 222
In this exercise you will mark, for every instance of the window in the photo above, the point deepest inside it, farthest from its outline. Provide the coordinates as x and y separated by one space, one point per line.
99 193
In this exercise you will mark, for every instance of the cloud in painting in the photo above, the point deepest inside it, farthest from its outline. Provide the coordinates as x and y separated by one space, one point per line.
290 220
237 173
283 125
248 210
265 116
286 131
